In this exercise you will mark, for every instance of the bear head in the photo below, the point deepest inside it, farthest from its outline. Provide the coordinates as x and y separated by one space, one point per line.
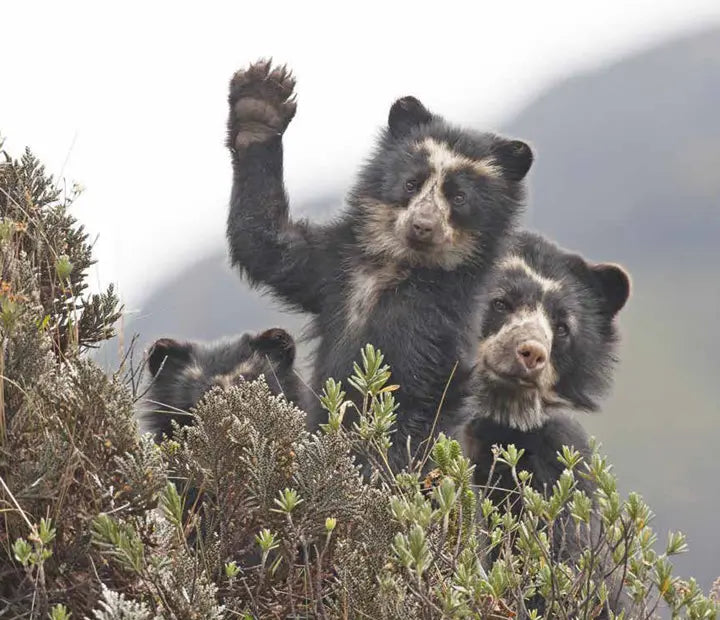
547 332
433 194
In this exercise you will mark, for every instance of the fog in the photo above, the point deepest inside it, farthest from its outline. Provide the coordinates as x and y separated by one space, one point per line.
130 100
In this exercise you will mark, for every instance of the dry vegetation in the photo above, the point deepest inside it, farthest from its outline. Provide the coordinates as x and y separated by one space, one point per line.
261 519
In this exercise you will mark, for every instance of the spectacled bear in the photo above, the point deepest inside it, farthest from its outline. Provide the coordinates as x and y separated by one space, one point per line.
182 372
400 266
547 344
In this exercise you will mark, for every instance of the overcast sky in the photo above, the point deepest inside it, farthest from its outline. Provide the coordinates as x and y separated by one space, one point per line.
130 101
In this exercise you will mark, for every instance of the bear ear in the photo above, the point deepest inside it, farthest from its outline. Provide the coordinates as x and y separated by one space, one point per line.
167 349
277 344
405 114
614 282
514 157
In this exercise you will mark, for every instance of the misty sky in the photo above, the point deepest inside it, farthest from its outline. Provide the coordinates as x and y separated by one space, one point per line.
131 101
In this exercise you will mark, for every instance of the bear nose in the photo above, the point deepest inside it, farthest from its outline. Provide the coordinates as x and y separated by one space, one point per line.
423 228
532 355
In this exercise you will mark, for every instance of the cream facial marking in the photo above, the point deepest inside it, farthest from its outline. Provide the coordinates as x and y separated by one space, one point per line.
526 318
381 233
498 350
431 194
517 263
429 202
527 408
239 374
384 228
442 158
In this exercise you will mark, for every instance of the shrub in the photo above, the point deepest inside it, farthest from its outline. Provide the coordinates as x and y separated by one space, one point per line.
260 518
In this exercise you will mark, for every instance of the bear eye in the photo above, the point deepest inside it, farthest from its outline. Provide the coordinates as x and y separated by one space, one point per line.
562 330
459 199
500 305
411 185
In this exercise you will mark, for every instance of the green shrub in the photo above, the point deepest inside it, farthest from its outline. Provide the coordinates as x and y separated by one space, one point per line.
263 519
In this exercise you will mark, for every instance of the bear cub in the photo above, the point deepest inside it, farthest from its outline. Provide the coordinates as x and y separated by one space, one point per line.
547 344
182 372
400 265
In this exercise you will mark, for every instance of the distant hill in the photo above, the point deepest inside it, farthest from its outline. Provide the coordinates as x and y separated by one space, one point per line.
631 153
627 171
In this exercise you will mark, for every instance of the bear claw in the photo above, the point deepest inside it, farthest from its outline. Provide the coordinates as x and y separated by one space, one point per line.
262 103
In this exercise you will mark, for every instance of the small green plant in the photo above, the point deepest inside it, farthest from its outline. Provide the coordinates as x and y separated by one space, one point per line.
261 518
33 551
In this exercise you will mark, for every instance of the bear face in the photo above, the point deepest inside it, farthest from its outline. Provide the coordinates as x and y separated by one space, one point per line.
182 372
433 194
547 334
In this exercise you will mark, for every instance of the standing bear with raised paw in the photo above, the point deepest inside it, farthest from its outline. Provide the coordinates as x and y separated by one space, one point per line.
401 265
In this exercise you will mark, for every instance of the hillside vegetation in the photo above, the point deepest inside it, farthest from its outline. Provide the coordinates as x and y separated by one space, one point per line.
261 519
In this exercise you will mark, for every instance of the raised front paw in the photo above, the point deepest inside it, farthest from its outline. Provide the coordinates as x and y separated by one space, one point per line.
262 104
